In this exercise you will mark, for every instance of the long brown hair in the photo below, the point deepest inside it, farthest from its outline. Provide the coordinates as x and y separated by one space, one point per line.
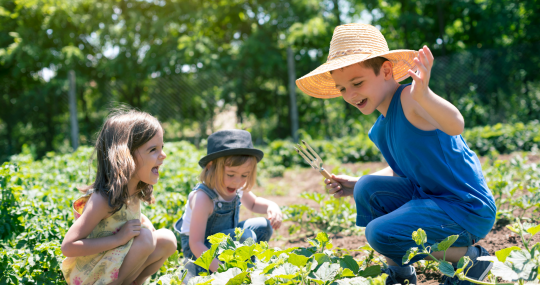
212 175
124 131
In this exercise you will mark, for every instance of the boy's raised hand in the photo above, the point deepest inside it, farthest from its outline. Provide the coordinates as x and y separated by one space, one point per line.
345 189
424 62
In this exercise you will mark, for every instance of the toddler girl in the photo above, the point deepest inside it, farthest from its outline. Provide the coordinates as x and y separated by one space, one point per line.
229 172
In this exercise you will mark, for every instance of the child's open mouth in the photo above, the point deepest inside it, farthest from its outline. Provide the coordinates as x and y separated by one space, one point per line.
361 104
155 170
231 190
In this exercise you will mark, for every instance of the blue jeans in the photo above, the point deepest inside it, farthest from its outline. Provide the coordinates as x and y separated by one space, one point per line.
389 209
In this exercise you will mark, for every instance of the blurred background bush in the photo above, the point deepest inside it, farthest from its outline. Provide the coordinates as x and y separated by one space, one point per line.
204 65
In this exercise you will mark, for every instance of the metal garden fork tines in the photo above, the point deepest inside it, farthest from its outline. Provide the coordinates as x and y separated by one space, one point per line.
313 159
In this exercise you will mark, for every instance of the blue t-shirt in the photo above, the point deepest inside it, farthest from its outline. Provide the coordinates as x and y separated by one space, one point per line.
442 168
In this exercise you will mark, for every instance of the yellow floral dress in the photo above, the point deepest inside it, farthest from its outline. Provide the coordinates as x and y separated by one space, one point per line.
103 267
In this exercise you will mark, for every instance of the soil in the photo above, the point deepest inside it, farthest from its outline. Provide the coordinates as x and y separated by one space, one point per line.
500 237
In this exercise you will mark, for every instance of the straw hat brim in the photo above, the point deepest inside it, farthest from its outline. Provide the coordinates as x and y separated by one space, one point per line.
319 82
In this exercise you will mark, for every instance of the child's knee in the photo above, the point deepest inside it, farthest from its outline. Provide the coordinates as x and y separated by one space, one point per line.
167 240
144 242
362 186
376 236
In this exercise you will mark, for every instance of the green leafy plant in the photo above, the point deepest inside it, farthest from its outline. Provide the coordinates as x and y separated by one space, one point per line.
333 215
253 263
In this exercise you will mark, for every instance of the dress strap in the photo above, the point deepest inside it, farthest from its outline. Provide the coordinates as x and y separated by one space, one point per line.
211 193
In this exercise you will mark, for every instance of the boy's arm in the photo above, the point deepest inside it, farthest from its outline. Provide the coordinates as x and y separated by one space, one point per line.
431 107
263 206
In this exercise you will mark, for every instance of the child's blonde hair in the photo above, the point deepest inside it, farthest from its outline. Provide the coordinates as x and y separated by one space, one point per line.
123 132
212 175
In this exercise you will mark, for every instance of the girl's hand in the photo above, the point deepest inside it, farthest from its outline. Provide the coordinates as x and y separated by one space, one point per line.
424 62
346 181
129 230
274 215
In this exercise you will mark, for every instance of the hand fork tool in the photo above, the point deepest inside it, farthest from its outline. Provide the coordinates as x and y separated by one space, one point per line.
313 159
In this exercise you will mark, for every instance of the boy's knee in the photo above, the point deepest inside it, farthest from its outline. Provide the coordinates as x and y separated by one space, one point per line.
376 236
362 186
144 241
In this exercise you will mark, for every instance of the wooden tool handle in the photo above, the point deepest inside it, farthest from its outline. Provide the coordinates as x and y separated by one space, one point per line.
329 176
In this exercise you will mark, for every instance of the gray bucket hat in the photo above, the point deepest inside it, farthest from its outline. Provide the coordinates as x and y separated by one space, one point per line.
229 142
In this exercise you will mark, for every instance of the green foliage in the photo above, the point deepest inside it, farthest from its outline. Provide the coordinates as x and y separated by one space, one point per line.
510 264
333 215
320 264
36 211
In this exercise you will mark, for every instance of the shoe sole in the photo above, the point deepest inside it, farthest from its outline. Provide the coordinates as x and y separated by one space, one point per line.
486 271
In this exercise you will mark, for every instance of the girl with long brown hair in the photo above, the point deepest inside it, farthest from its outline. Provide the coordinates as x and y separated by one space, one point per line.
111 242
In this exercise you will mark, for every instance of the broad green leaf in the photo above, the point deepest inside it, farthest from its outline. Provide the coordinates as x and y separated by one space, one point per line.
266 255
521 262
238 279
447 243
446 268
419 237
379 280
354 281
244 252
258 278
504 271
463 261
297 260
200 280
287 271
207 257
217 238
327 271
269 269
348 261
224 277
504 253
462 264
534 230
347 273
372 271
226 255
409 255
321 258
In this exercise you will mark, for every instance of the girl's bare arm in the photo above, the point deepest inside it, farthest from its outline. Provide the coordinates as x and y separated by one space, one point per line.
263 206
76 243
201 208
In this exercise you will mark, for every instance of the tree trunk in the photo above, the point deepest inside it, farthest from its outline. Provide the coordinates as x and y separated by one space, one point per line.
73 111
293 108
440 15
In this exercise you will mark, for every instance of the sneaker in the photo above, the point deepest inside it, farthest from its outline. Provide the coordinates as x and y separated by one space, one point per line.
477 271
393 278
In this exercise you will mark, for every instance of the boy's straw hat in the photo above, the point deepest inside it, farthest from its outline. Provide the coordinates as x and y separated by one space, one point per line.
353 43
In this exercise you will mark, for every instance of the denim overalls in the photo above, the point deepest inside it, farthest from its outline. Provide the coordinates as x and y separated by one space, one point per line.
224 219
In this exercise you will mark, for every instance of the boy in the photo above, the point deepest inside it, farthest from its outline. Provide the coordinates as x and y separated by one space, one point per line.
434 181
